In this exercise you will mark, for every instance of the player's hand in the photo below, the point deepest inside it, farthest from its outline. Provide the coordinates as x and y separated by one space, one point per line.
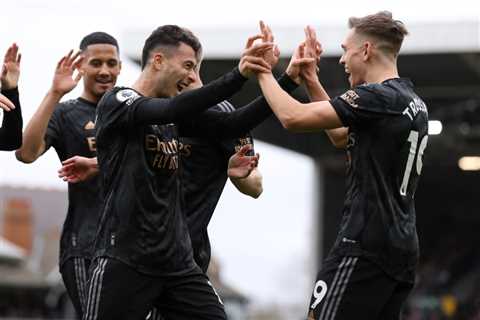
313 49
240 165
304 61
271 56
78 169
11 68
6 104
63 80
252 60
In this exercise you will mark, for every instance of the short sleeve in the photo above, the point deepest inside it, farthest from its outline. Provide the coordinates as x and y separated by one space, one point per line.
362 105
53 136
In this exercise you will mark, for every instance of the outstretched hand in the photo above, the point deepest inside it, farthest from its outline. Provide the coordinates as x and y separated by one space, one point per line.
303 64
252 60
6 104
63 80
240 165
11 68
78 169
271 56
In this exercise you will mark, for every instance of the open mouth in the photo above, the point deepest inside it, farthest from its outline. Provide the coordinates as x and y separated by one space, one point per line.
104 81
181 86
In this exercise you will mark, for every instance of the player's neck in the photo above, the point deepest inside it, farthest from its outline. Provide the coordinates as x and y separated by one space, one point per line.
145 85
89 97
380 72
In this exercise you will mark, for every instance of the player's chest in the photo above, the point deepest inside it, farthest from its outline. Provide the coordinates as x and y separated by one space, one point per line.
79 132
161 148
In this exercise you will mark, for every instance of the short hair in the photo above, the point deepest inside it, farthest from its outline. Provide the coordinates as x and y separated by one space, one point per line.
382 27
170 35
98 37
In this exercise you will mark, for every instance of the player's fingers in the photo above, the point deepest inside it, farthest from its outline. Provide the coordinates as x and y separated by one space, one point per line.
72 59
257 68
304 61
67 60
258 61
276 51
263 30
252 39
258 48
60 63
19 58
6 103
4 107
271 38
78 77
14 52
244 149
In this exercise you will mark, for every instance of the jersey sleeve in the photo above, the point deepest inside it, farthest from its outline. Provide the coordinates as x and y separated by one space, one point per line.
221 121
11 123
362 105
53 136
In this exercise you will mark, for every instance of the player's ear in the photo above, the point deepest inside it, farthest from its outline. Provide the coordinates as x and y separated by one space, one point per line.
367 50
158 59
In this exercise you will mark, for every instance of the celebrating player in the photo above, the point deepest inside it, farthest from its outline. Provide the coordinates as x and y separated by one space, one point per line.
382 123
69 127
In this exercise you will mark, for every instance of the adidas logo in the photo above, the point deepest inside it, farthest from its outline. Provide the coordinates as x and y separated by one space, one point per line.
90 125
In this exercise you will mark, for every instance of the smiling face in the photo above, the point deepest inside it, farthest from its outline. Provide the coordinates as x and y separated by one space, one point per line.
354 58
177 69
100 69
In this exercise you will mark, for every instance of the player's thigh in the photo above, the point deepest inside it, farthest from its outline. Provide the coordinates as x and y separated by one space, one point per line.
191 297
394 306
116 291
74 273
349 288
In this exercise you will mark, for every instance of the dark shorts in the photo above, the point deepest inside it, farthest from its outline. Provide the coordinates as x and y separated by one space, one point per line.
117 291
355 288
75 276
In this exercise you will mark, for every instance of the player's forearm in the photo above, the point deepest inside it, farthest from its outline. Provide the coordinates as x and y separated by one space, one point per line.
34 136
189 104
11 128
251 185
338 136
237 123
251 115
288 110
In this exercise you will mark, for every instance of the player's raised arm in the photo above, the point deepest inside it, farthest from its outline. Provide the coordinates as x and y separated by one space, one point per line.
12 122
312 48
243 119
34 143
294 115
188 104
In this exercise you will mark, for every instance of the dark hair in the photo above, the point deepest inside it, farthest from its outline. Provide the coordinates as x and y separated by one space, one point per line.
98 38
383 28
169 35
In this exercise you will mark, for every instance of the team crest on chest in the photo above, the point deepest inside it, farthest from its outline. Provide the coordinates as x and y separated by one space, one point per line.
89 126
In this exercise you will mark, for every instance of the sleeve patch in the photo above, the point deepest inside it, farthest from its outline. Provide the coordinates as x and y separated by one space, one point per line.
127 95
350 97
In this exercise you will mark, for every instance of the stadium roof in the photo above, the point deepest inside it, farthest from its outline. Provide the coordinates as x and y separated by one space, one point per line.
425 37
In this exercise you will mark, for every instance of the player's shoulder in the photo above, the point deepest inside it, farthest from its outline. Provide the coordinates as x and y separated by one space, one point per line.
118 96
68 106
